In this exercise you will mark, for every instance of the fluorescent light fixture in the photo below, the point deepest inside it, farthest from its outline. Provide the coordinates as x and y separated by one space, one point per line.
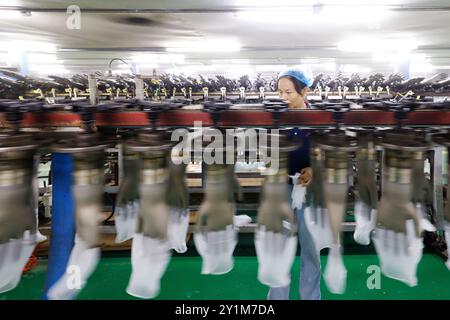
29 46
10 14
230 61
17 50
418 62
442 67
4 59
419 58
309 60
423 67
205 46
43 69
122 67
192 69
399 57
236 71
270 67
353 68
171 58
354 15
275 15
325 66
147 57
385 56
121 71
158 58
365 44
139 67
42 58
12 3
148 65
240 61
316 14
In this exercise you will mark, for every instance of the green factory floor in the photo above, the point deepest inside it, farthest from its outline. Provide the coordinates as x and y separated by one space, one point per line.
184 281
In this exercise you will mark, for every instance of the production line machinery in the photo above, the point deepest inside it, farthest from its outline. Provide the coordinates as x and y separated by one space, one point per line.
376 149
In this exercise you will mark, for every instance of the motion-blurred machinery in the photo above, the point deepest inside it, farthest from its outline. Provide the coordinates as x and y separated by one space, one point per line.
137 146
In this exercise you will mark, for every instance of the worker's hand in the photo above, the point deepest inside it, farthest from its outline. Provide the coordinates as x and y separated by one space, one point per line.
305 176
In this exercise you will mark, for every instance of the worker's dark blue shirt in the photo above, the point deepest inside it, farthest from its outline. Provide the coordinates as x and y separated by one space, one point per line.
300 158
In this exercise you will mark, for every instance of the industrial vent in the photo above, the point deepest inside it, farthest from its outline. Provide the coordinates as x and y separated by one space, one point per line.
169 23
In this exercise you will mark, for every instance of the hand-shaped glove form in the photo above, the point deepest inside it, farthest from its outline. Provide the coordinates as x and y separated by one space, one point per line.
275 244
366 206
316 213
217 238
87 190
127 202
82 263
14 255
335 274
216 249
177 229
399 252
87 193
365 218
276 254
419 192
18 223
447 239
396 239
149 260
150 252
335 187
318 224
178 201
298 192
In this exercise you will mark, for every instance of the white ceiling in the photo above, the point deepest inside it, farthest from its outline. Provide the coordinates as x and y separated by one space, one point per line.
109 34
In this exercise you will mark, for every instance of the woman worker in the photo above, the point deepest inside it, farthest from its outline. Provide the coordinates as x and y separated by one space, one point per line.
293 85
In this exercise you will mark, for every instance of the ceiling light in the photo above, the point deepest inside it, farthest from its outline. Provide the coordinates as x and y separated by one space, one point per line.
270 67
192 69
28 46
43 69
364 45
240 61
158 58
10 14
41 58
236 69
4 59
353 68
423 67
325 64
316 14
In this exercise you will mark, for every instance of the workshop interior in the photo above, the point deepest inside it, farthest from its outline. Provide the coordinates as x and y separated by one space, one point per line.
224 150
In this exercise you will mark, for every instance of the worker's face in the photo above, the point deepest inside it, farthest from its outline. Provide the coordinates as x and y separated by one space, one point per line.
286 91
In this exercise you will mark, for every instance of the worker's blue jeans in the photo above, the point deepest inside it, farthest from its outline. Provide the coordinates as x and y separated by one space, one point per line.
310 270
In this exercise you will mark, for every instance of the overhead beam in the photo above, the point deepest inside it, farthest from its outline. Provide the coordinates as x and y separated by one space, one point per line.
231 9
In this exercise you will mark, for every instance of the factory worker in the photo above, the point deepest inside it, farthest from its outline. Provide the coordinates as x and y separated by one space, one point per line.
293 85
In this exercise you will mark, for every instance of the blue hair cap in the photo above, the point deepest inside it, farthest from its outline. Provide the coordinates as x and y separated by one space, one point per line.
298 74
